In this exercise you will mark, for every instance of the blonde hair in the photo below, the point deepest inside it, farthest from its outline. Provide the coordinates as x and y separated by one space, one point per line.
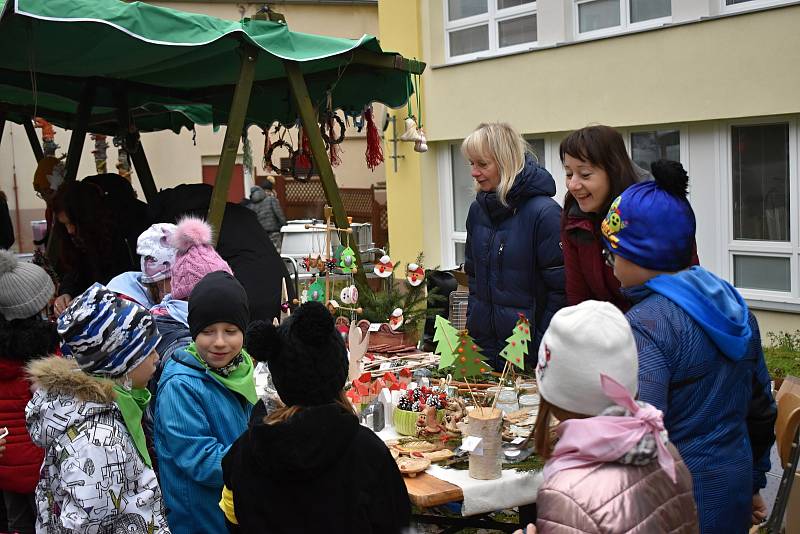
500 143
543 436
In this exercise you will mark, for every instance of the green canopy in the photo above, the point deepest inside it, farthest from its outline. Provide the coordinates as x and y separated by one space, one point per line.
171 68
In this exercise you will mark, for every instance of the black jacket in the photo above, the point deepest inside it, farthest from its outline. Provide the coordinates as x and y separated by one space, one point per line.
243 243
6 227
320 471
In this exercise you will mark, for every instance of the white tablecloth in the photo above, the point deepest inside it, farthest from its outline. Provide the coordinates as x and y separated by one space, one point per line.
513 488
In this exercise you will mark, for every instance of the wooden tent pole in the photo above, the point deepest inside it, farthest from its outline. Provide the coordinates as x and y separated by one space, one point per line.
78 136
233 133
305 109
38 153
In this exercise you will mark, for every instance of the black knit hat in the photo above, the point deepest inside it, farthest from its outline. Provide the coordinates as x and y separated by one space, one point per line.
306 355
217 298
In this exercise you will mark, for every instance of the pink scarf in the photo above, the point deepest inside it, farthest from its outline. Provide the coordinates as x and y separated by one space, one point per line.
604 439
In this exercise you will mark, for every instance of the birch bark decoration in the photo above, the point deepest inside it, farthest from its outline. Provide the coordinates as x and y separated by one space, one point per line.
485 462
358 344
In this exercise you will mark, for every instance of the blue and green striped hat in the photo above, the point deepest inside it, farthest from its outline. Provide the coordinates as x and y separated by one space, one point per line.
107 336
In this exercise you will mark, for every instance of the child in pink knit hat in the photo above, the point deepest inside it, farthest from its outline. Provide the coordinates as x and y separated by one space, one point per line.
196 256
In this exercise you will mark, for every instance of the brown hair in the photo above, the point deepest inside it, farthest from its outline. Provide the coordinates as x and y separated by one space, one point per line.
83 204
543 441
602 146
284 413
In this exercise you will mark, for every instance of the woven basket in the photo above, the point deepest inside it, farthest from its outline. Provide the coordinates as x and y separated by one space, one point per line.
405 422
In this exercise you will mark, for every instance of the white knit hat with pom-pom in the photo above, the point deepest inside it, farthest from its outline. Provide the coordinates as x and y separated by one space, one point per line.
196 256
25 288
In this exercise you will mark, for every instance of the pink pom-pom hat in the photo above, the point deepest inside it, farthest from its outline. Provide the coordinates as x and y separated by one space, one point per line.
196 256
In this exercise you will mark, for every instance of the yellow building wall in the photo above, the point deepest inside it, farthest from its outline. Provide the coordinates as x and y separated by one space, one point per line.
698 71
399 29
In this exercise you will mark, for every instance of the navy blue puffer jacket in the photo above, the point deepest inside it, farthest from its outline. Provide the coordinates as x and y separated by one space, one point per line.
514 261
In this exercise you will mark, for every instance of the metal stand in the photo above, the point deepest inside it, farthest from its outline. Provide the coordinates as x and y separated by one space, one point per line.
394 155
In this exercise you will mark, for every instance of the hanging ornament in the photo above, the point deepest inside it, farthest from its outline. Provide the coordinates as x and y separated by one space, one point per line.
349 295
421 145
316 292
374 151
304 296
333 306
415 274
330 265
384 267
321 265
412 133
347 261
396 319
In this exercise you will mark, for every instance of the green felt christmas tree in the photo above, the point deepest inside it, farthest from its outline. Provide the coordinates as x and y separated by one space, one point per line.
446 339
469 361
517 343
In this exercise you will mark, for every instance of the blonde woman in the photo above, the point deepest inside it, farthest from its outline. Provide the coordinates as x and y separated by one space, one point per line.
513 252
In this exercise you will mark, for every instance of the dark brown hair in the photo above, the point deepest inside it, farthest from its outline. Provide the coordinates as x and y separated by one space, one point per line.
84 206
603 147
286 412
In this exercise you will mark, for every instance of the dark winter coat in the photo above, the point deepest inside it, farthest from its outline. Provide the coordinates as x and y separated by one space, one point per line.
6 227
319 471
701 363
243 243
267 209
514 261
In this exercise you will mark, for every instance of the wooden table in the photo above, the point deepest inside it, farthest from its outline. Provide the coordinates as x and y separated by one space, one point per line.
427 491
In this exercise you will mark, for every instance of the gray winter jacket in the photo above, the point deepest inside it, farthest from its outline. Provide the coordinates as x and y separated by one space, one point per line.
92 480
267 208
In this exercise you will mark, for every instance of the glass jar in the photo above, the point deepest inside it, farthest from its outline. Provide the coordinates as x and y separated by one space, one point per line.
528 401
507 400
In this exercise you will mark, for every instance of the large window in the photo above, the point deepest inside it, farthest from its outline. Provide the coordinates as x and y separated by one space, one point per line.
595 17
763 247
744 5
477 28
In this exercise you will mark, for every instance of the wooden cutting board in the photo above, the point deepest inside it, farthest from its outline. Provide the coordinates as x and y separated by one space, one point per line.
426 490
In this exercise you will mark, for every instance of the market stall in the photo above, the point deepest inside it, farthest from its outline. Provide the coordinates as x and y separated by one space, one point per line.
161 68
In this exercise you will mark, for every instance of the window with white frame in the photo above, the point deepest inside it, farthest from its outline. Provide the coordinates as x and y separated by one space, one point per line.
763 249
729 6
476 28
459 193
653 145
596 17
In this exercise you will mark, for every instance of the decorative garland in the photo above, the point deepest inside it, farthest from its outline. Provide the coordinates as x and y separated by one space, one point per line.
328 121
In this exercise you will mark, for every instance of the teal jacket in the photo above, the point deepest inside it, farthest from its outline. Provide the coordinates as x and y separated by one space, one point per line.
197 419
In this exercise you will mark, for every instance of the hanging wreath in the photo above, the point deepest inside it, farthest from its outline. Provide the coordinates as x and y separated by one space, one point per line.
327 122
280 143
298 154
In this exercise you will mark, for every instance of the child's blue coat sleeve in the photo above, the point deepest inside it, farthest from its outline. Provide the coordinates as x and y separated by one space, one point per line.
186 426
654 374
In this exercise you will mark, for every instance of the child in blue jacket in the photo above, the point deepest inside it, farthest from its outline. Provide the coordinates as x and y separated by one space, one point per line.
205 396
700 356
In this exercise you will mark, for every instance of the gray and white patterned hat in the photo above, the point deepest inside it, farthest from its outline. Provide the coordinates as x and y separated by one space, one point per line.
107 336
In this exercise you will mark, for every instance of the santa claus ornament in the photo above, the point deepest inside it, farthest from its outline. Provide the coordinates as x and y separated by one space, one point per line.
384 267
415 274
396 320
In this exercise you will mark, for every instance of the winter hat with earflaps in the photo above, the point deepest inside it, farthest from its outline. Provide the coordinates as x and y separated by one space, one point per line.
157 255
581 343
306 355
195 257
25 288
107 336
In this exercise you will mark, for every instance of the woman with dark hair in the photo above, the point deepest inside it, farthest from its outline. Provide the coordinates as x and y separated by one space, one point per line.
94 244
598 169
25 290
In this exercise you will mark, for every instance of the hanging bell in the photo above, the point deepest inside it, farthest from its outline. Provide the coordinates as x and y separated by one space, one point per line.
421 145
411 133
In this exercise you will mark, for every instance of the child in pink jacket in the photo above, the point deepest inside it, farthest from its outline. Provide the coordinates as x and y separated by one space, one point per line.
612 469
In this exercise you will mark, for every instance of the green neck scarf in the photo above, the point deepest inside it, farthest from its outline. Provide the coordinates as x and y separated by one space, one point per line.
240 380
132 403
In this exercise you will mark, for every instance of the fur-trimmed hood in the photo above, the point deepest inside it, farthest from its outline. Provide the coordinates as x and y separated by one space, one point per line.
65 396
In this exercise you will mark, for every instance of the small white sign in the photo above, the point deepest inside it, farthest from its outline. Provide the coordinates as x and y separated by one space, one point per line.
385 366
518 441
472 444
374 327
